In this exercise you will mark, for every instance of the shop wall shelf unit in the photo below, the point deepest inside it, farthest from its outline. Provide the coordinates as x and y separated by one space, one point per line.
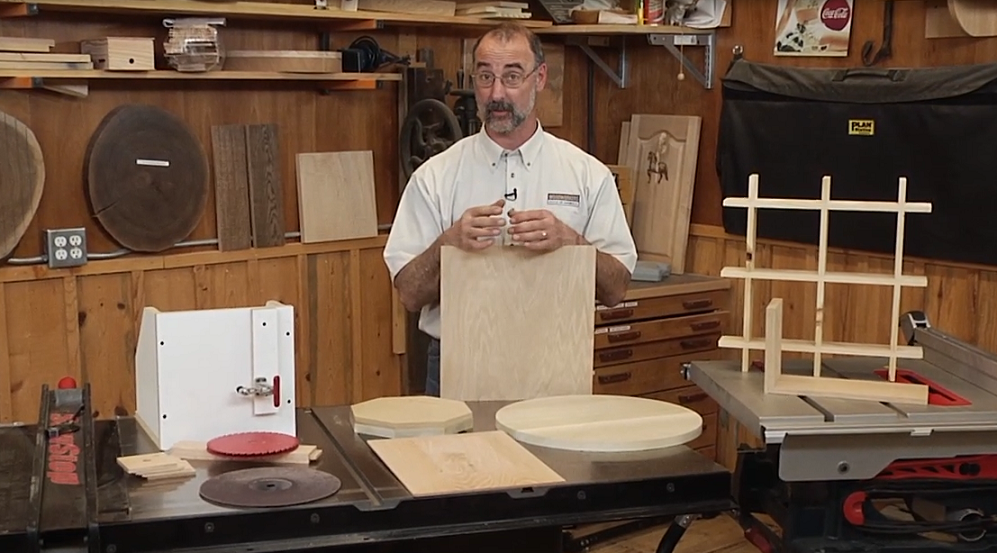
671 37
247 10
39 78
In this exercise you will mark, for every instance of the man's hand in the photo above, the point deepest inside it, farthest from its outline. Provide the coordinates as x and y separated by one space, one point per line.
477 228
539 229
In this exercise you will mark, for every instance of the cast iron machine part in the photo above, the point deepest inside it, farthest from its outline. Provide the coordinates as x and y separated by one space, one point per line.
431 126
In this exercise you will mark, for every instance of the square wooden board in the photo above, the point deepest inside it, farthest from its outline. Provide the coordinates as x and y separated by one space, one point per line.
455 463
516 324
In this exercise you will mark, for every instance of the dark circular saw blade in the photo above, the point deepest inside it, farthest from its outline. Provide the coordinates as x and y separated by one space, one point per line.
252 444
270 487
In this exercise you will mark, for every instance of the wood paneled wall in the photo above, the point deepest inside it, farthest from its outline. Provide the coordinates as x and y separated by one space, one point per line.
959 299
84 322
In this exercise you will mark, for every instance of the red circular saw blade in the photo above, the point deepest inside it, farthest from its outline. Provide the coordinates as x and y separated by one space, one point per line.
251 444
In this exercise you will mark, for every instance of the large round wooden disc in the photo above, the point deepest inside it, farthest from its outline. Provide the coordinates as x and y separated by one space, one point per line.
22 180
602 423
148 177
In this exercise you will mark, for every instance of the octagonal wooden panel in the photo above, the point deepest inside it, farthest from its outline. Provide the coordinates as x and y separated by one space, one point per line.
406 416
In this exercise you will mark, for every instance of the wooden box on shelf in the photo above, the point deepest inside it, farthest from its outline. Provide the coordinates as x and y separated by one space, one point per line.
121 53
641 344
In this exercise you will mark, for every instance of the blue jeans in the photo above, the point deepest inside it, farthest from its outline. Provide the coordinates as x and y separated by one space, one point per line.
433 368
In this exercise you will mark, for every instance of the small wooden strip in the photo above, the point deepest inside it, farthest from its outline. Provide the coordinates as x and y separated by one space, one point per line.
198 451
284 61
17 44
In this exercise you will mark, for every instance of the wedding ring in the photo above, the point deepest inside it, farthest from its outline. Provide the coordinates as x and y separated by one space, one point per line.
544 234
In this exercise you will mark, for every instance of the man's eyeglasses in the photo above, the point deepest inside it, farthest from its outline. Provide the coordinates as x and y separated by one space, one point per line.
509 80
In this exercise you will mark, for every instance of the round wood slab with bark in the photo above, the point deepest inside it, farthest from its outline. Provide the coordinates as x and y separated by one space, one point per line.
22 180
147 176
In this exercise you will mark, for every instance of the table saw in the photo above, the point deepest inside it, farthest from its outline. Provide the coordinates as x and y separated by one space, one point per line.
860 476
62 490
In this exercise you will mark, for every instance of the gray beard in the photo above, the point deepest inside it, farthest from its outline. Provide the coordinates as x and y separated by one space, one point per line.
506 126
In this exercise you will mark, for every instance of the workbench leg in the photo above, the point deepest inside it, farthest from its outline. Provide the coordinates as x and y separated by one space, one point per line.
675 532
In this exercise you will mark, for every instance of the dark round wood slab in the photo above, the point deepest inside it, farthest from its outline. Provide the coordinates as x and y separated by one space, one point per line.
147 176
22 180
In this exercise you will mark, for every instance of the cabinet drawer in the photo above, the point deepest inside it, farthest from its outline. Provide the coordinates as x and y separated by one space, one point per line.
691 397
654 350
666 306
659 329
647 377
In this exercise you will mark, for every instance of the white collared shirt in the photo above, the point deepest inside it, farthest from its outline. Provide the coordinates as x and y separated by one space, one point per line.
546 172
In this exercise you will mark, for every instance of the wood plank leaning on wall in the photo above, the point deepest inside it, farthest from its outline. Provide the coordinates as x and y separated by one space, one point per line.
85 323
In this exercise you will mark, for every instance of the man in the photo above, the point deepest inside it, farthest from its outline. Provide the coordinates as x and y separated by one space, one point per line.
510 183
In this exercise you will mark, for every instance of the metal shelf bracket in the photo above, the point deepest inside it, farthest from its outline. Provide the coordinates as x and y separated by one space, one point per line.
672 42
619 76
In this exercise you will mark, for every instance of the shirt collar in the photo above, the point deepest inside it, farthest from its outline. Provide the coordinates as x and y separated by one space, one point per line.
530 149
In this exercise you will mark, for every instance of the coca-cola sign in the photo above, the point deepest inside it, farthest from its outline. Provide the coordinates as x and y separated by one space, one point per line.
836 14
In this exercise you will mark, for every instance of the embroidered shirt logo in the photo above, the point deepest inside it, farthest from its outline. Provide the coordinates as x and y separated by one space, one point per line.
571 200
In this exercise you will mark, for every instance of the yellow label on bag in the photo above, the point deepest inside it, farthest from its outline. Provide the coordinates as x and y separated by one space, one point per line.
861 127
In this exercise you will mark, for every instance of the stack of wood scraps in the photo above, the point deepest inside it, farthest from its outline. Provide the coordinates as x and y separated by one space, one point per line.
156 466
198 451
21 58
493 10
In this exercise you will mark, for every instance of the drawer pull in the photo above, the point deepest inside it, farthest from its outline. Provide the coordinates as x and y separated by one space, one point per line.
692 398
614 378
616 314
623 337
705 325
695 344
616 355
697 304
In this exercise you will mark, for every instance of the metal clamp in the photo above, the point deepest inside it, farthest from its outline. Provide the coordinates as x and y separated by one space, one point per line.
261 389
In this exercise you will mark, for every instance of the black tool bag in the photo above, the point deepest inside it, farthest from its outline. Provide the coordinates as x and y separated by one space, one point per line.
866 128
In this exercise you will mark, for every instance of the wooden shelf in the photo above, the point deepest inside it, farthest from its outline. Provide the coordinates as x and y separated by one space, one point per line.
240 10
595 30
210 75
51 79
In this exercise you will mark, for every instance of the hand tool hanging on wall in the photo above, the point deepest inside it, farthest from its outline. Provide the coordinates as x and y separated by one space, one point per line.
885 49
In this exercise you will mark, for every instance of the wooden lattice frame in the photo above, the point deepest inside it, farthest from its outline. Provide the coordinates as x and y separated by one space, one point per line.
774 345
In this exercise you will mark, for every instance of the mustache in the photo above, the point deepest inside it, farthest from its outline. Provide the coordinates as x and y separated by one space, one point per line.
496 105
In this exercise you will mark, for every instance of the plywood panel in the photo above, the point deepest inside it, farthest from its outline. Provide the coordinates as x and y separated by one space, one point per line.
516 324
336 196
456 463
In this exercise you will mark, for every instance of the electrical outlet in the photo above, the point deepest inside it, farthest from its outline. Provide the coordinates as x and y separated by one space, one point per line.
66 247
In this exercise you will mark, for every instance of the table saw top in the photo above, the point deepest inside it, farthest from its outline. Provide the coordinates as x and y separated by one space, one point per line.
372 504
773 417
